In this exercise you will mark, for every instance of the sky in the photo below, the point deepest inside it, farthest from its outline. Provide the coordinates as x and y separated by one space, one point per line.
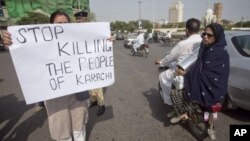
155 10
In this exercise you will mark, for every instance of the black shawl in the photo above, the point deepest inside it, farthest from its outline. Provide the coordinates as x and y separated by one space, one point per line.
206 82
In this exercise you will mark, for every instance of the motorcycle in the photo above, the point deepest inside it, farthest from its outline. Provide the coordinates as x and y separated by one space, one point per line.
143 50
200 119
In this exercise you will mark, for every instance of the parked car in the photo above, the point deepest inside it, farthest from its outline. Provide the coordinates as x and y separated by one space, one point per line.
128 41
119 36
238 47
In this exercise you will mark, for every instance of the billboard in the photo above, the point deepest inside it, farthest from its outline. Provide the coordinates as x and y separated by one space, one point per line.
18 8
1 10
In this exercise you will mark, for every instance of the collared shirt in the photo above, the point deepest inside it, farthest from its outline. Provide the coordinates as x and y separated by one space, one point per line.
181 49
139 39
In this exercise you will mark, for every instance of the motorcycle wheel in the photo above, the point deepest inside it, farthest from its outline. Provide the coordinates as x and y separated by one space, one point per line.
133 52
198 130
172 43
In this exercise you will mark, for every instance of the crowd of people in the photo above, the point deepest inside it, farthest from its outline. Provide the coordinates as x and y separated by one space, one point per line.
205 82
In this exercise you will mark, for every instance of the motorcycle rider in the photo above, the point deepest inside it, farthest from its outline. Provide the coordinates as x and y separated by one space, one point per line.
138 41
183 48
167 38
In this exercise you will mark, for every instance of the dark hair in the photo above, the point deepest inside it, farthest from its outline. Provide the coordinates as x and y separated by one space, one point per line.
56 13
193 25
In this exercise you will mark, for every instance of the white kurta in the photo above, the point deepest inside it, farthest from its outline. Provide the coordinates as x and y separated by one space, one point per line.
176 54
65 115
138 41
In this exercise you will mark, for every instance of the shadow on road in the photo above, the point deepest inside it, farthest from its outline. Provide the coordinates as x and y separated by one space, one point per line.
159 110
23 130
93 119
11 111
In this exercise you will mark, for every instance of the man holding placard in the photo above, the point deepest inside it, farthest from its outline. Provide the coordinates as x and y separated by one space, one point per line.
96 95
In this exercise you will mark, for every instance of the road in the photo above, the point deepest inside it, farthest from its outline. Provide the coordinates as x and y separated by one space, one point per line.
135 111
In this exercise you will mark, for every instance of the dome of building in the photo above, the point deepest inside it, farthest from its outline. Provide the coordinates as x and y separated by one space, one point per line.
209 11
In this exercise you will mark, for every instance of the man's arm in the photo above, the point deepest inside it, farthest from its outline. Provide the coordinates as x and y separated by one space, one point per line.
172 56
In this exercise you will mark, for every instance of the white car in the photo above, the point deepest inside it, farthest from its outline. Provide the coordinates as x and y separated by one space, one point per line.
128 41
238 47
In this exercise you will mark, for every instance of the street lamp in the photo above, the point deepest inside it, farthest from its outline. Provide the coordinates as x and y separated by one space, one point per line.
153 9
153 14
139 22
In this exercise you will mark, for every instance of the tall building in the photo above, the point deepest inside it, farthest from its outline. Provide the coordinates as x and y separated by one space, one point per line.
176 12
218 11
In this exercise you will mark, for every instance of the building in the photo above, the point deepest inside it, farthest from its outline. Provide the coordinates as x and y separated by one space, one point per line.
162 21
218 11
176 12
209 17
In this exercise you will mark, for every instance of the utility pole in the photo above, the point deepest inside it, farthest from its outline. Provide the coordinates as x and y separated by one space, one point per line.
79 5
139 22
153 14
241 22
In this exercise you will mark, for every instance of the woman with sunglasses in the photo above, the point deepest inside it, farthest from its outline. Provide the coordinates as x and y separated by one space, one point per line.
206 82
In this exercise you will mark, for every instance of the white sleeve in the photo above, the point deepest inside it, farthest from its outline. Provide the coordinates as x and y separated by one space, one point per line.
172 56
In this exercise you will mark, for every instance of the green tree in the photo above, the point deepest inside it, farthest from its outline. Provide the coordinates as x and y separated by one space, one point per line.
181 24
118 25
146 24
246 24
243 24
227 24
132 26
91 17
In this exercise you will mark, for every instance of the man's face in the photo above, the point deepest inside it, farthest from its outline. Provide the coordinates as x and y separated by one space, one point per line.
81 19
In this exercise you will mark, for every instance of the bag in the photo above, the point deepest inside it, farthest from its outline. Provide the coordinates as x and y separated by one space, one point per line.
82 95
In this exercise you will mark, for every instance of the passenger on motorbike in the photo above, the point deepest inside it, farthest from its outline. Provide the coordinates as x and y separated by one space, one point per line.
167 37
206 82
182 48
149 38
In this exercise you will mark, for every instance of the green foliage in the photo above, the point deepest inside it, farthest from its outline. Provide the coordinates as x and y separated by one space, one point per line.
174 25
118 25
243 24
91 17
146 24
130 26
33 18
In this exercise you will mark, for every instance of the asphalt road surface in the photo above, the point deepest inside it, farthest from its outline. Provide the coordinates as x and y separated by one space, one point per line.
134 112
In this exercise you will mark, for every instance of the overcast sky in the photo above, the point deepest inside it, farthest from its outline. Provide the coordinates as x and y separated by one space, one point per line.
127 10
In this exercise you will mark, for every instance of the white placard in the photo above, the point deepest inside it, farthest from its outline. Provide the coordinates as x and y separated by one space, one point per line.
54 60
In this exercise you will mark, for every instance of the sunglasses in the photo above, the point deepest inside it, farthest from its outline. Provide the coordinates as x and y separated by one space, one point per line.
207 34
